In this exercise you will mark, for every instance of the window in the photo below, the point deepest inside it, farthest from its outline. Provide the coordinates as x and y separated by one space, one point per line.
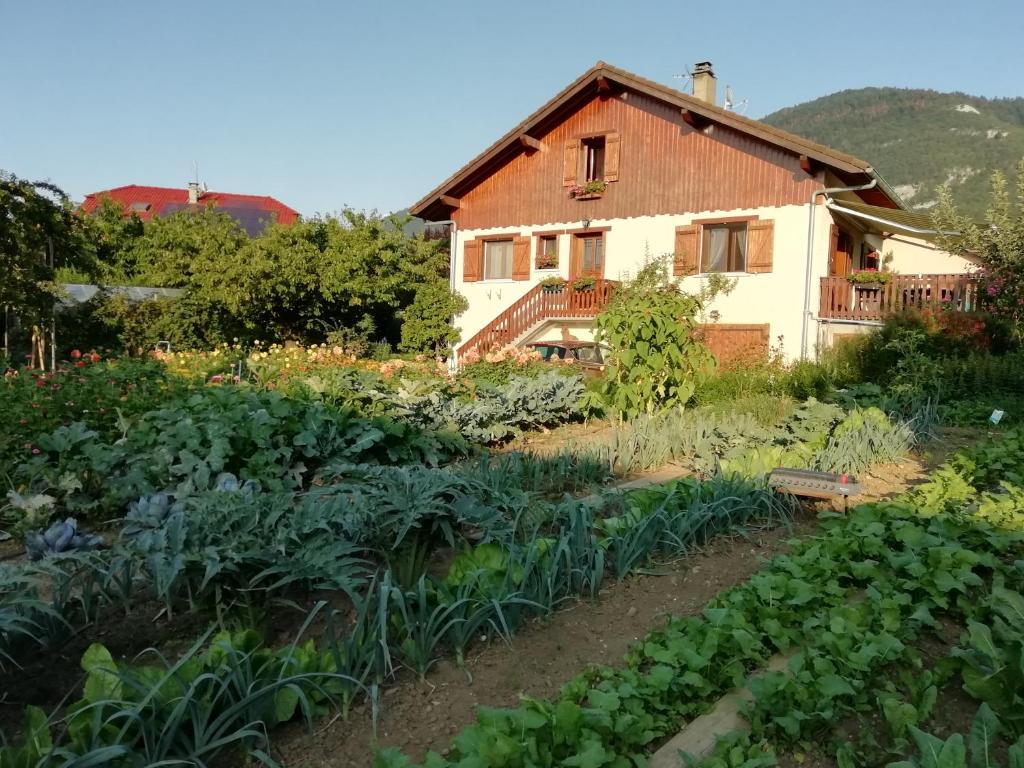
724 247
547 351
593 158
547 252
498 260
589 354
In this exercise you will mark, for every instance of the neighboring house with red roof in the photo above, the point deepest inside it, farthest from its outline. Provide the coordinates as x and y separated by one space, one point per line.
253 212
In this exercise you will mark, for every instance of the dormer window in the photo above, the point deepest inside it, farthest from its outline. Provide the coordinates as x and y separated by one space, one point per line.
593 159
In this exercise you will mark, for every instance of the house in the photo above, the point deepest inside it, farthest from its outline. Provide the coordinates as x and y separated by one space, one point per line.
617 168
253 212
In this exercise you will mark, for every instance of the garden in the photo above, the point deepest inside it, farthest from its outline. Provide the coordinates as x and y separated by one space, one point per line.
324 553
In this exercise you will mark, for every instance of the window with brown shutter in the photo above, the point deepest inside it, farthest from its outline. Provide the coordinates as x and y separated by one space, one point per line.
686 250
591 158
723 247
760 245
472 261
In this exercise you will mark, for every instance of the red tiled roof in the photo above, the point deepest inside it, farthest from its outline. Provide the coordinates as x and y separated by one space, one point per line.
147 202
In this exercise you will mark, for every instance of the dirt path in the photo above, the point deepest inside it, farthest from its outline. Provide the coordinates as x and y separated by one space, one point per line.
542 657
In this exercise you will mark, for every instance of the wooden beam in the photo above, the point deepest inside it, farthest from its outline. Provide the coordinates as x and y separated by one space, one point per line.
451 202
603 86
530 143
807 165
695 121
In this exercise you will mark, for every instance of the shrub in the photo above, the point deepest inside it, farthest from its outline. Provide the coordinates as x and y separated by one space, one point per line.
655 361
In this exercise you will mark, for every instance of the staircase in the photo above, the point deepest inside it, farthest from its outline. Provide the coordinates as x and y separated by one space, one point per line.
540 304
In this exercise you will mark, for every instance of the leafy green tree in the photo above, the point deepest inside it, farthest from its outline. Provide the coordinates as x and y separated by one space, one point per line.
426 324
113 235
655 362
998 243
38 233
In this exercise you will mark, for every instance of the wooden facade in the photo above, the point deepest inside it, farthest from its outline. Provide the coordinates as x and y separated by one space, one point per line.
664 166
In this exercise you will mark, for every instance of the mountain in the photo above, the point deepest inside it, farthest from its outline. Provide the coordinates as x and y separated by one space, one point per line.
918 139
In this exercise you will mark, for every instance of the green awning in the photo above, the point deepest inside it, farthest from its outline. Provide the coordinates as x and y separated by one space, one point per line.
915 223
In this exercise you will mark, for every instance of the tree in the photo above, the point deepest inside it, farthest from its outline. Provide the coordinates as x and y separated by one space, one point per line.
998 244
426 324
655 360
38 234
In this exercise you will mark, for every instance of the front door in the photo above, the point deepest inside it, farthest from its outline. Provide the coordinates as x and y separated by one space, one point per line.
587 255
840 254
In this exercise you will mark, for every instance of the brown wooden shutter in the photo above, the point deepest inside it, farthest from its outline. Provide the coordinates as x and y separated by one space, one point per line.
521 258
687 253
571 162
472 261
760 245
611 157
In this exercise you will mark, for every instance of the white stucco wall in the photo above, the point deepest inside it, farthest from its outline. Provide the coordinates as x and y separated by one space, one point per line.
913 256
775 298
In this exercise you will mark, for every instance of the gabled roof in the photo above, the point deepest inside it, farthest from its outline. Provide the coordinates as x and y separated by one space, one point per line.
846 167
253 212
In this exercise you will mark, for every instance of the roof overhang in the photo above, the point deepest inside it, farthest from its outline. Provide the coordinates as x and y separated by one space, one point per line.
897 220
604 80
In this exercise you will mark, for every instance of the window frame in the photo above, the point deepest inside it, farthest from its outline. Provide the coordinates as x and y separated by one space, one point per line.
542 239
486 244
592 146
733 223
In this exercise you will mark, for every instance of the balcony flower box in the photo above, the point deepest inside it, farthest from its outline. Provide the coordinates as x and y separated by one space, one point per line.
584 283
589 191
869 279
547 261
552 285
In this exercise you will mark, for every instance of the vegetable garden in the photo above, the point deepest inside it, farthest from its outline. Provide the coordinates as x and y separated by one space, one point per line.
301 532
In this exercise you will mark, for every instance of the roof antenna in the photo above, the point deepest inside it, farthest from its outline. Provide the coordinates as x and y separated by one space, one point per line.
686 78
195 171
731 105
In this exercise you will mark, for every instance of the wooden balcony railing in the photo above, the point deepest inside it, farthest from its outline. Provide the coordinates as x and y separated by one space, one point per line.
843 300
540 303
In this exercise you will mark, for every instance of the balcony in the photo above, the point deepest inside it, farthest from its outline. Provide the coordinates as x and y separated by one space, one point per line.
843 300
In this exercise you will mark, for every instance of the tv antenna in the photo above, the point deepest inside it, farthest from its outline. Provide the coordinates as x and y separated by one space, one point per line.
731 105
686 78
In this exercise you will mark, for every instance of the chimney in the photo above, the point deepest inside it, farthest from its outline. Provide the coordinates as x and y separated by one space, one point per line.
193 192
704 82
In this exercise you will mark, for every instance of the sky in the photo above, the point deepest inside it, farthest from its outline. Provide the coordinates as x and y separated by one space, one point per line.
370 105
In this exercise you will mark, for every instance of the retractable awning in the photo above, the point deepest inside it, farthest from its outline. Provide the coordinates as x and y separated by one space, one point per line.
893 219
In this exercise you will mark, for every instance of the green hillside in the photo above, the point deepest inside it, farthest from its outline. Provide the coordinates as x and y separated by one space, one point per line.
918 139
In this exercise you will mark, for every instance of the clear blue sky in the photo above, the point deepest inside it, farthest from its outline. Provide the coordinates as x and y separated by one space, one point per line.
326 104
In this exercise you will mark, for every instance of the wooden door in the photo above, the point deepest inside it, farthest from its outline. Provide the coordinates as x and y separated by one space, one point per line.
840 256
587 256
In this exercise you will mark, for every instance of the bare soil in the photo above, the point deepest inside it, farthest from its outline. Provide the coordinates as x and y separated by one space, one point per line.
542 657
